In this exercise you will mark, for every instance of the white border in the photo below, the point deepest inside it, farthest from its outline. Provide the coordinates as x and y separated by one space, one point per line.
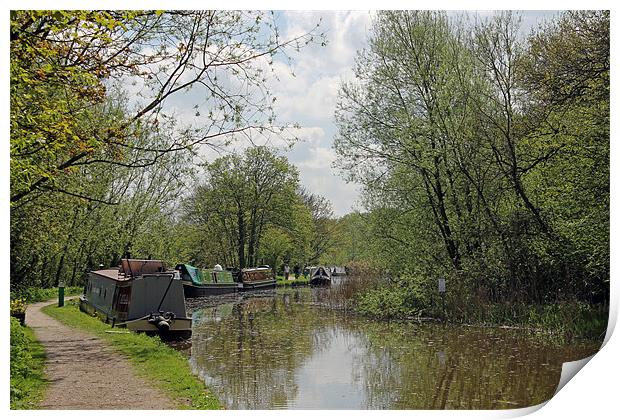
593 393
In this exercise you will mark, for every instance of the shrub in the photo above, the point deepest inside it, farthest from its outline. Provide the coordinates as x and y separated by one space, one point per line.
391 301
37 294
18 306
27 359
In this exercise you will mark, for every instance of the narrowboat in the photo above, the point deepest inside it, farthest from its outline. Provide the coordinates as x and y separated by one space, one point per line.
320 275
140 295
339 271
255 278
198 283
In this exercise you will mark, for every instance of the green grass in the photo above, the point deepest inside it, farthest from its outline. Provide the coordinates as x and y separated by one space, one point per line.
301 281
37 294
27 368
152 359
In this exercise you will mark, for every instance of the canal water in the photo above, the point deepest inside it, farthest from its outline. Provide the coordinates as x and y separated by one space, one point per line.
286 349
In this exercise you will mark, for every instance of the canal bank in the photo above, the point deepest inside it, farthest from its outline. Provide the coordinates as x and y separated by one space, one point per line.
128 370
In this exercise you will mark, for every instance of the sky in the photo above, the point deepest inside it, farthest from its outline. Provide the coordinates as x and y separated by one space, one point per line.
306 87
309 98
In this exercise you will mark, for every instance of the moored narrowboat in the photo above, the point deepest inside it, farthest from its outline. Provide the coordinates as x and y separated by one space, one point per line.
140 295
320 276
256 278
198 283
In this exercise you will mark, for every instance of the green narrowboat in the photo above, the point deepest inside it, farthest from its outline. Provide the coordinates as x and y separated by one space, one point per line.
198 283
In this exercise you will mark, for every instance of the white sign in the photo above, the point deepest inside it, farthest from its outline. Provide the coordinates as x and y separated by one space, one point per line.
442 285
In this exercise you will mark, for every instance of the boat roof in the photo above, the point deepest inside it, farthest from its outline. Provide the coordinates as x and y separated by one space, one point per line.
245 270
112 273
134 267
193 272
130 268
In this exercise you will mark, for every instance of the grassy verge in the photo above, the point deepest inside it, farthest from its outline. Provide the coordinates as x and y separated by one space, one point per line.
301 281
37 294
566 320
27 365
152 359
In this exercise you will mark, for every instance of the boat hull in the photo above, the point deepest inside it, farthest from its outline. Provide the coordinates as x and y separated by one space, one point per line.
320 280
194 291
179 327
254 285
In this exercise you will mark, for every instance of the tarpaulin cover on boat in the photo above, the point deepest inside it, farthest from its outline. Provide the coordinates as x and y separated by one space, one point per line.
193 273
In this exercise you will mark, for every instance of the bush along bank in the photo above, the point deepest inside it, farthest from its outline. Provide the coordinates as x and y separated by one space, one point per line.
152 359
27 368
37 294
406 299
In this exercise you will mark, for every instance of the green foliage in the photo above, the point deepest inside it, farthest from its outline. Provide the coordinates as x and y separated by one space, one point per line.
249 211
242 197
152 359
353 241
37 294
384 302
27 365
98 160
402 298
300 281
484 159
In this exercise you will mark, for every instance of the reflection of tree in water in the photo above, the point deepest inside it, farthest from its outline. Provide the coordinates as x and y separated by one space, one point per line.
436 367
250 351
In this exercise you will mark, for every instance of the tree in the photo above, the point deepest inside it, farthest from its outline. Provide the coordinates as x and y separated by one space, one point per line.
64 62
484 158
242 197
397 121
320 237
60 237
565 74
98 156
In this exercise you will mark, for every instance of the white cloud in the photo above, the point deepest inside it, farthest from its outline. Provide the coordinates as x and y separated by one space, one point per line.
319 69
310 96
320 158
309 135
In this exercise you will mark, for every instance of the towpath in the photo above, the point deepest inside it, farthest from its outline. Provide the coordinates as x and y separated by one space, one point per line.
86 373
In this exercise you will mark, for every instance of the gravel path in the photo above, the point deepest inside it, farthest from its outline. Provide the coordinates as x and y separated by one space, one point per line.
85 373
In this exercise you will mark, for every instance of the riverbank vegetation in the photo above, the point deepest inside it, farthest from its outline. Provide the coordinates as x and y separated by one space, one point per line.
152 359
100 161
484 157
27 368
483 154
38 294
292 281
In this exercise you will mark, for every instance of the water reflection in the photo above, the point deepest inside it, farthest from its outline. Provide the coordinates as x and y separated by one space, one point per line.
288 351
